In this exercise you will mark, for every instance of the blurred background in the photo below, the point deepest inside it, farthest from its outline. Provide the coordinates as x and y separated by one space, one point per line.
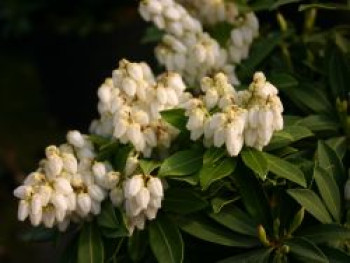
54 54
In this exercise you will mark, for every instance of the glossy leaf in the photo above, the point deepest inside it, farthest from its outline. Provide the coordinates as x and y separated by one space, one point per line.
256 161
165 240
312 203
90 249
306 251
260 255
325 233
149 165
181 163
338 144
175 117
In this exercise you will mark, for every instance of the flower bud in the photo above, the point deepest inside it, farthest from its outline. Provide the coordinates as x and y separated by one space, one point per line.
133 186
49 218
116 196
99 169
155 187
96 192
151 212
143 197
131 164
59 201
70 163
23 192
135 71
53 166
63 186
36 204
84 203
75 138
129 86
23 210
35 219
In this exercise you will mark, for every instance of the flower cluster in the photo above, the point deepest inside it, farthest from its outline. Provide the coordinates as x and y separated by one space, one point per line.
225 116
185 48
130 104
68 185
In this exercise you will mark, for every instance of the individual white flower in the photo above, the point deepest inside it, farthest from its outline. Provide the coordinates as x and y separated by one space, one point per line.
155 187
96 192
23 210
75 138
63 186
117 196
84 203
143 197
132 186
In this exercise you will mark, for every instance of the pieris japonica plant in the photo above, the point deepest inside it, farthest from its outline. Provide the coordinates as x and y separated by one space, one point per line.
204 161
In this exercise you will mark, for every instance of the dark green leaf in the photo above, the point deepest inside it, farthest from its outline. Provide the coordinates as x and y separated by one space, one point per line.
149 165
338 144
219 203
280 3
113 225
285 169
283 80
329 192
152 35
90 248
181 163
212 172
256 161
99 140
39 234
235 219
107 217
298 132
137 245
312 203
165 240
325 233
306 251
205 229
183 201
319 123
260 255
221 32
329 160
189 179
121 156
175 117
213 154
335 255
280 139
328 6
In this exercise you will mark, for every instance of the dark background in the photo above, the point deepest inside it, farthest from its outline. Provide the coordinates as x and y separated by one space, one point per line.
54 54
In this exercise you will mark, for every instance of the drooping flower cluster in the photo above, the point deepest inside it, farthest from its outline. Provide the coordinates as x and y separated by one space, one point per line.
246 117
130 104
68 185
185 48
140 195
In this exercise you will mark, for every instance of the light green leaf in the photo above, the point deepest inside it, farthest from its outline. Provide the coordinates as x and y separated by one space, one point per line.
329 192
212 172
279 139
235 219
306 251
149 165
213 154
325 233
175 117
298 132
166 240
205 229
312 203
260 255
90 249
189 179
152 35
183 201
181 163
329 160
256 161
285 169
328 6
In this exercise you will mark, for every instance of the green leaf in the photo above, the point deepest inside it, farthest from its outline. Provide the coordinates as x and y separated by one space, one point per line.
260 50
149 165
329 192
137 245
279 139
338 144
181 163
121 156
256 161
285 169
325 233
107 150
90 248
298 132
335 255
152 35
203 228
253 196
260 255
213 154
221 32
283 80
329 160
175 117
165 240
306 251
312 203
327 6
189 179
107 217
99 140
235 219
338 72
280 3
212 172
218 203
319 123
183 201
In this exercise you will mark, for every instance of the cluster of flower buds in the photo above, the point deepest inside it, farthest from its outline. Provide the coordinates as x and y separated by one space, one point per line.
246 117
130 104
139 195
185 48
264 111
210 12
68 185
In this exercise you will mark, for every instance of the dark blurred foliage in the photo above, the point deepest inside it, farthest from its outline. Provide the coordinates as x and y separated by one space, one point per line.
53 56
